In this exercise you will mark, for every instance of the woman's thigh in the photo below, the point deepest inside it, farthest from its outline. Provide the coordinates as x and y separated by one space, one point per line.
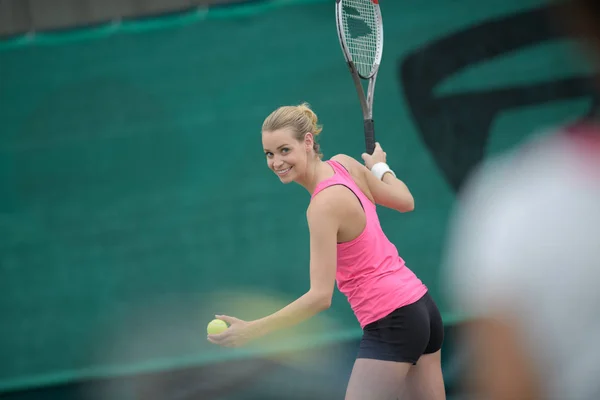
425 381
376 379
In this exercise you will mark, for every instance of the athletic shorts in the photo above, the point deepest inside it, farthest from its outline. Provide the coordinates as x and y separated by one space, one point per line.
405 334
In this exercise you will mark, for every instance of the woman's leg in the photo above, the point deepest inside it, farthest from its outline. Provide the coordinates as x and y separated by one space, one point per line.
425 381
376 379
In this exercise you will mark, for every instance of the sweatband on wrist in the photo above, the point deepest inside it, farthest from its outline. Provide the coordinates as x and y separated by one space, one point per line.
380 169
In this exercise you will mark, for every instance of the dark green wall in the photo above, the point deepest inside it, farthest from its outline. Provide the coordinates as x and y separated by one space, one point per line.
135 199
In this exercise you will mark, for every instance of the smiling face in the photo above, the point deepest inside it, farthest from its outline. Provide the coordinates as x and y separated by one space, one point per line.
286 156
288 138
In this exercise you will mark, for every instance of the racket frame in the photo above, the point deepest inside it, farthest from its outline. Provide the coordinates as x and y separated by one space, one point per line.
366 102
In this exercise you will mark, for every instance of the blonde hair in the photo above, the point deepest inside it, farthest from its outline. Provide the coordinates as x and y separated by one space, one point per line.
300 119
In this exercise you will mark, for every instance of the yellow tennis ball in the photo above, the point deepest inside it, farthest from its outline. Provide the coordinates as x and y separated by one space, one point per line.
216 326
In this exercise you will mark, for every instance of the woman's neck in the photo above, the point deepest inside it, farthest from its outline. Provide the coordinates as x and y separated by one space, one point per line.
316 172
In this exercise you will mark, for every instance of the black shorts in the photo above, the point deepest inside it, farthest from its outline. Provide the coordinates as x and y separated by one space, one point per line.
405 334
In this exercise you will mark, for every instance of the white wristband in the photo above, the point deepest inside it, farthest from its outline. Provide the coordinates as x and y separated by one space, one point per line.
380 169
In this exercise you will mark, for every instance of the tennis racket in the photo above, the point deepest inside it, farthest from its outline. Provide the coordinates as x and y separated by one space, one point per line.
360 30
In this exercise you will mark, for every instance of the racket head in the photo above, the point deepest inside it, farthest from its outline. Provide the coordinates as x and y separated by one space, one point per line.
360 30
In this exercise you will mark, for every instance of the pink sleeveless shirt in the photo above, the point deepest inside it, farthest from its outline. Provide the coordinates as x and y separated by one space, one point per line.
370 272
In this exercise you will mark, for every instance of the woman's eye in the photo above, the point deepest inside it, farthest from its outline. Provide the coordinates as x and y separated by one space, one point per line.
285 150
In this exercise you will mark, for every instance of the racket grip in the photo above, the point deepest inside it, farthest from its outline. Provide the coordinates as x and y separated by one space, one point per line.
370 135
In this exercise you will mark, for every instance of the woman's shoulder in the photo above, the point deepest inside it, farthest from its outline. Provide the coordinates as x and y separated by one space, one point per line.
330 204
335 193
343 158
357 172
348 162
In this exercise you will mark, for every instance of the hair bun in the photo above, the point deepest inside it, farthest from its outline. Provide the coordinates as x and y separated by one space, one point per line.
305 108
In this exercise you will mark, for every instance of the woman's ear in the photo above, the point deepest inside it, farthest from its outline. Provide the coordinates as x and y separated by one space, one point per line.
309 141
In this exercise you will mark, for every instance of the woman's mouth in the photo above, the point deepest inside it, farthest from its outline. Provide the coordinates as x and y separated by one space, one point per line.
283 172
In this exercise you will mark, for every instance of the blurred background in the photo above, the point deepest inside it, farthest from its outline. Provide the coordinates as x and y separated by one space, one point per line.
135 202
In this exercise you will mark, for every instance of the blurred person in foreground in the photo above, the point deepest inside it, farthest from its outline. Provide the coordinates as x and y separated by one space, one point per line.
524 257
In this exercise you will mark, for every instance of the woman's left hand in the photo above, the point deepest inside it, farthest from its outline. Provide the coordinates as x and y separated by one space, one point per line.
238 334
378 156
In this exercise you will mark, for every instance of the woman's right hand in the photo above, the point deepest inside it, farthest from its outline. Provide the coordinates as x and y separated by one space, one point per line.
371 159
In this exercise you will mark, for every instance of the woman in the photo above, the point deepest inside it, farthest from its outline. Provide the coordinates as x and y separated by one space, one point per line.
403 330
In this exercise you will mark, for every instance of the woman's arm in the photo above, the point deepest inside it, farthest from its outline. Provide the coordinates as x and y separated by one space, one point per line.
323 220
390 191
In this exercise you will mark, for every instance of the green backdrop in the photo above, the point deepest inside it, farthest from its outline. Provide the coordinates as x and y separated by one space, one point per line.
135 199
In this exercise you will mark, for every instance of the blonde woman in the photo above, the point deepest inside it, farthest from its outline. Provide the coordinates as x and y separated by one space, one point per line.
402 327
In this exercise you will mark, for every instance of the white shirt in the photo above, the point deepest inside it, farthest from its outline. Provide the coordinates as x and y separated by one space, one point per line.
526 238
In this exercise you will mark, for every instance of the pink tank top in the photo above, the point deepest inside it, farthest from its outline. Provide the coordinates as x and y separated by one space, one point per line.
370 272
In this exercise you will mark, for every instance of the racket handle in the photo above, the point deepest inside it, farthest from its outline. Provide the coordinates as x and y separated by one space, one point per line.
370 135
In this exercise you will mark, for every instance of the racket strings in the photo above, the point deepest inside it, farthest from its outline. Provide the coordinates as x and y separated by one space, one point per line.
361 33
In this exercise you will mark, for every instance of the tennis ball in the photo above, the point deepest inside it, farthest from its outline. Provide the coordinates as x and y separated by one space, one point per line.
216 326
